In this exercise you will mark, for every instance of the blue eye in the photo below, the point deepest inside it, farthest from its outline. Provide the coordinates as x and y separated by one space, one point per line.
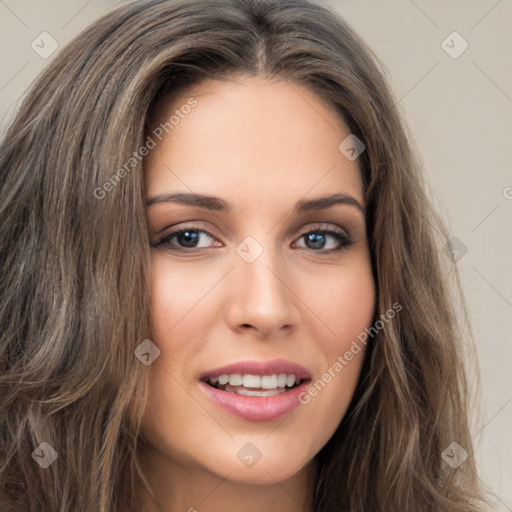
187 238
190 238
317 239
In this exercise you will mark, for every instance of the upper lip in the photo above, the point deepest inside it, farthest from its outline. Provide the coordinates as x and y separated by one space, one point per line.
272 367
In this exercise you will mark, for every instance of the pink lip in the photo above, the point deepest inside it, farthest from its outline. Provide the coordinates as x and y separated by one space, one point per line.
275 366
257 408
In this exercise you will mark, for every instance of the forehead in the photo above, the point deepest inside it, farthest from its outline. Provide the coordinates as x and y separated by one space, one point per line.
253 136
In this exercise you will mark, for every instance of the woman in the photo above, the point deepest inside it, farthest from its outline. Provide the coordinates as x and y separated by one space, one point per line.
221 281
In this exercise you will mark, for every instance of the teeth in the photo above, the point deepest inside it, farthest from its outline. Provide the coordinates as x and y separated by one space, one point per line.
235 379
269 381
290 380
254 392
251 382
223 379
281 380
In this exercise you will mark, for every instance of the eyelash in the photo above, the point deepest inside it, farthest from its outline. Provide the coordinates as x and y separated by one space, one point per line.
343 239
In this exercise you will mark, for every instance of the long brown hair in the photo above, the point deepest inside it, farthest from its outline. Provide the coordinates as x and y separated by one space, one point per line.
75 262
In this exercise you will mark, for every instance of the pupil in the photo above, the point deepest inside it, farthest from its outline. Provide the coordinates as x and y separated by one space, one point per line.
189 238
318 241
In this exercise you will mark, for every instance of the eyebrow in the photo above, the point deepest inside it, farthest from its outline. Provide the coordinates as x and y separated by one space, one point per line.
219 205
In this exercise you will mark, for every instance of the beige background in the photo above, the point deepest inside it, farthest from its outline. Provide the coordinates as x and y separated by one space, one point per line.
460 113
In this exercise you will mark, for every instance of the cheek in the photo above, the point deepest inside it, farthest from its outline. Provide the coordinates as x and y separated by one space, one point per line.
175 297
177 291
352 306
344 301
346 305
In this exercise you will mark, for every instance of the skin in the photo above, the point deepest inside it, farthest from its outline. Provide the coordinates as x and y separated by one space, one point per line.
262 146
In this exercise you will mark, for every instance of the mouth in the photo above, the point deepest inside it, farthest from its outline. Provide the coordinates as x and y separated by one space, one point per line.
256 391
254 385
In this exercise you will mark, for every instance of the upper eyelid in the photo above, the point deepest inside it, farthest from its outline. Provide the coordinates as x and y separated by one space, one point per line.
319 226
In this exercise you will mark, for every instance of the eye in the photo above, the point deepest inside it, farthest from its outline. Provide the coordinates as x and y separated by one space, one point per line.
186 238
316 239
191 237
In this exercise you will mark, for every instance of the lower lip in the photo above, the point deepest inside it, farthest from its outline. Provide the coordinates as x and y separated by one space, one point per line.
256 408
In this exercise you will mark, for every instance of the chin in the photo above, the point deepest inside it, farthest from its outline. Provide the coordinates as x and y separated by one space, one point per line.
259 461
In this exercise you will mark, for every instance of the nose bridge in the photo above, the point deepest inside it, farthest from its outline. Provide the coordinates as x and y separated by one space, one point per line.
262 298
259 265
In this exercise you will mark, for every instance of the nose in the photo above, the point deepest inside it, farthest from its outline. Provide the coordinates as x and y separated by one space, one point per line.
262 298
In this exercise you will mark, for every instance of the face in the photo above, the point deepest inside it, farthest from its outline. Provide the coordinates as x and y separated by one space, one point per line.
255 294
